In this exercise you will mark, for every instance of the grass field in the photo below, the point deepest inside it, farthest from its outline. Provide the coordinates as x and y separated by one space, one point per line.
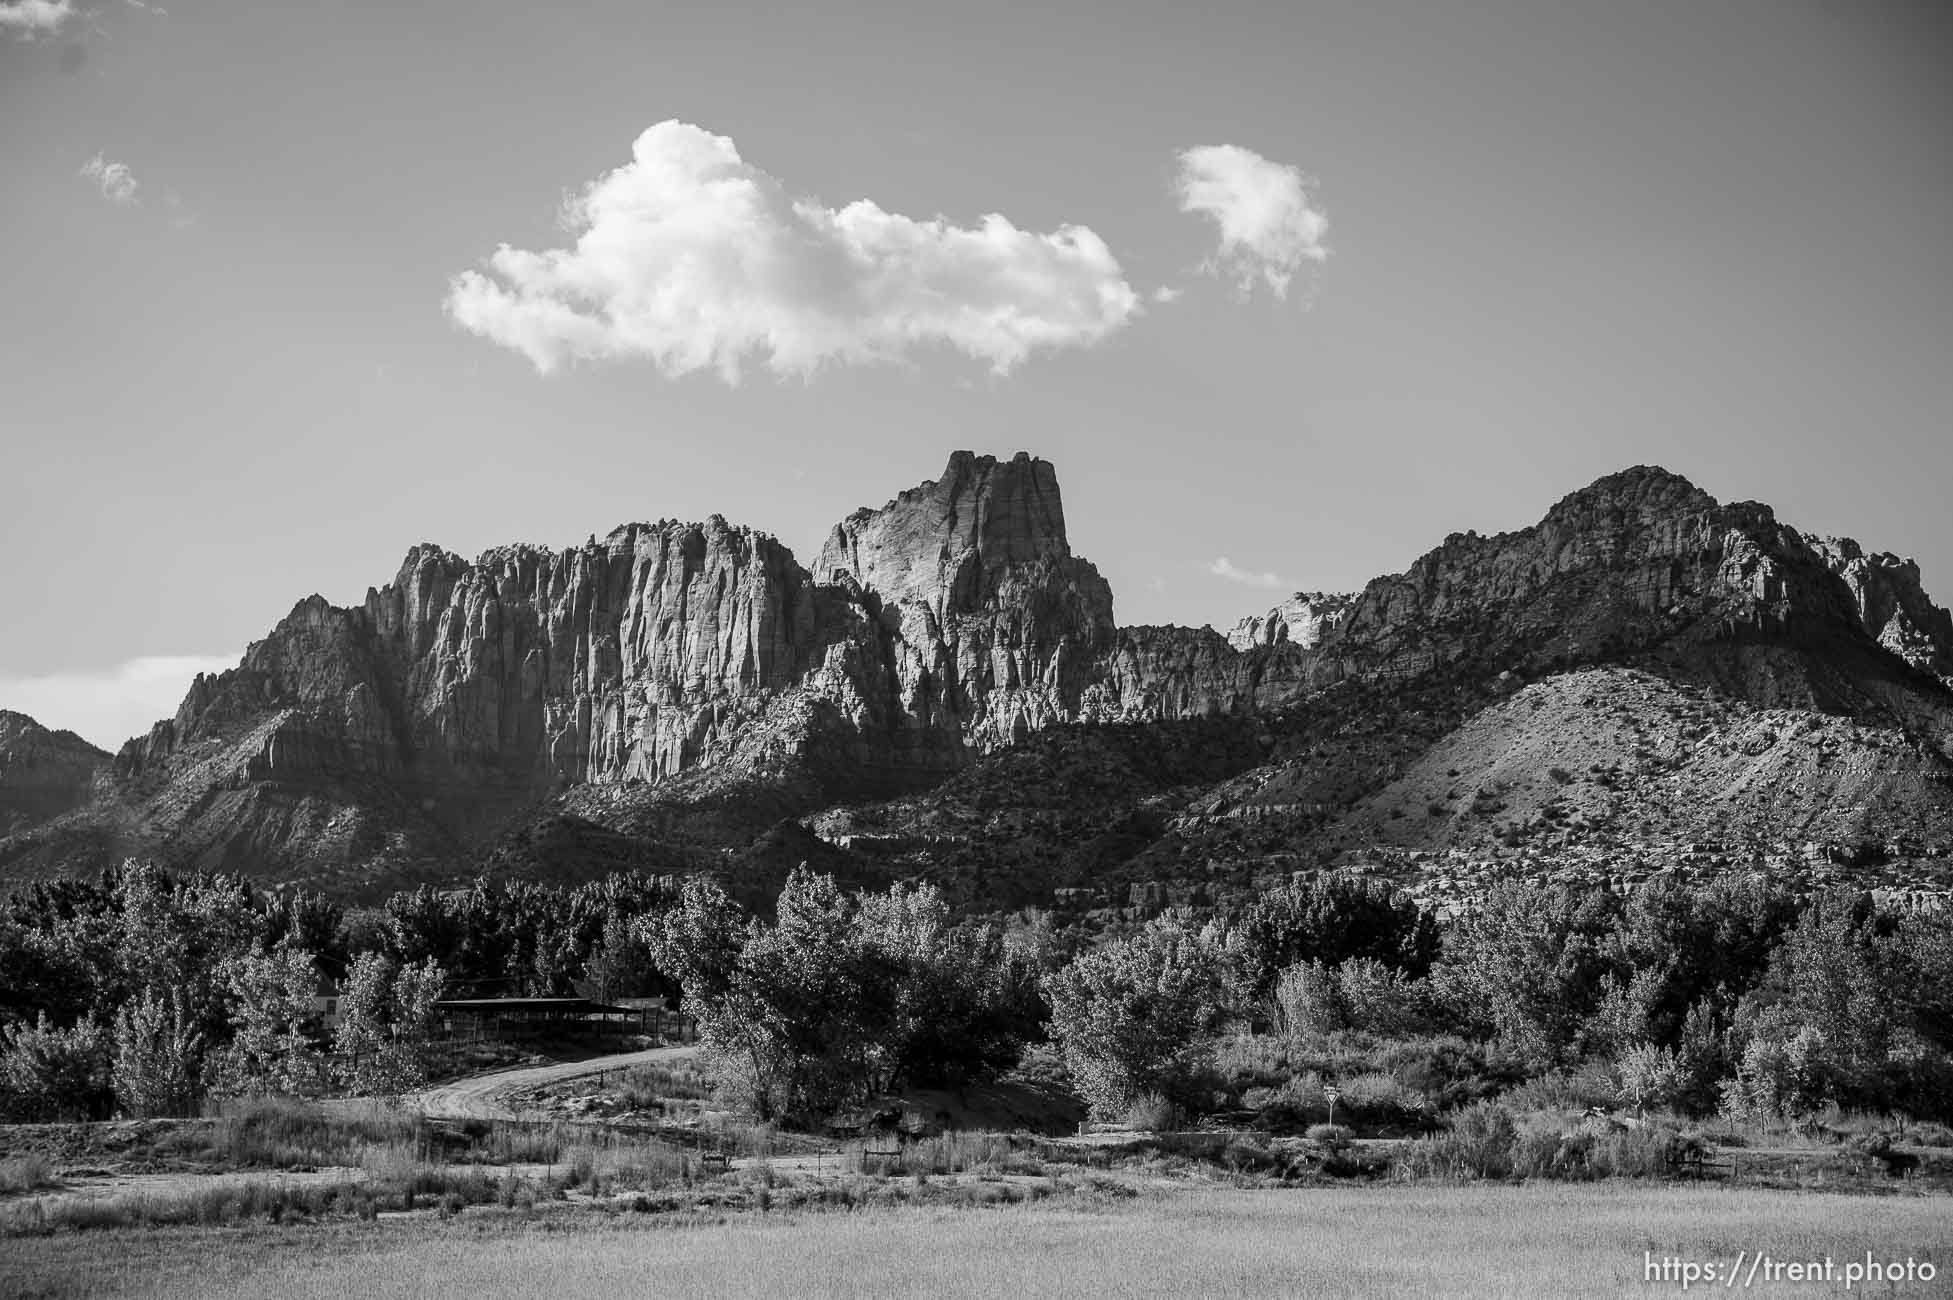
1381 1241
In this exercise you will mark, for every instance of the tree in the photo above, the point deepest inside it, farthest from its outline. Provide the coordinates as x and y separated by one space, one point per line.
702 942
270 1001
843 996
158 1055
1331 918
1651 1076
1528 965
621 964
1823 1004
1676 943
387 1015
50 1073
1138 1015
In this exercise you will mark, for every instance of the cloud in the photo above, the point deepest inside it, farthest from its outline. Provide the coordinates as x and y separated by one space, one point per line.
118 184
1226 568
691 258
1268 226
1166 293
29 19
109 706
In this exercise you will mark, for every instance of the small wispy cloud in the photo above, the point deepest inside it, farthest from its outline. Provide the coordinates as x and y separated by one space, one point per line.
1269 225
1226 568
1166 293
694 259
107 706
29 20
117 183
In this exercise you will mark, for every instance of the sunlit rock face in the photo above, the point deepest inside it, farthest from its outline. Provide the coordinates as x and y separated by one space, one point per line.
952 620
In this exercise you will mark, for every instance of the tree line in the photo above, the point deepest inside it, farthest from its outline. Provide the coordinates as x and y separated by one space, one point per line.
140 992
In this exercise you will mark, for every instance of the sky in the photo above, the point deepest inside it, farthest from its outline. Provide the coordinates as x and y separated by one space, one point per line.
1287 291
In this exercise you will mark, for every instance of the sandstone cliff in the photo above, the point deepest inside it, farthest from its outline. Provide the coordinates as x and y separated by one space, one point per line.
1303 620
684 682
42 773
411 727
990 612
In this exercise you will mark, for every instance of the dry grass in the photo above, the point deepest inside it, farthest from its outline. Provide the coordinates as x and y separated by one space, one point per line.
1410 1242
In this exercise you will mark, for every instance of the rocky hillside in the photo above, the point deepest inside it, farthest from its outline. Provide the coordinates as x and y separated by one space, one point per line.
42 773
679 690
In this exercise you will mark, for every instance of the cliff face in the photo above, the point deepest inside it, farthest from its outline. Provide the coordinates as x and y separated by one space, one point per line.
953 619
42 773
1638 562
992 616
1891 604
402 733
1304 620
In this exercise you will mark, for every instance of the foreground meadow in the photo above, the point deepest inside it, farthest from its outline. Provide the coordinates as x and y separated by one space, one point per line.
1395 1241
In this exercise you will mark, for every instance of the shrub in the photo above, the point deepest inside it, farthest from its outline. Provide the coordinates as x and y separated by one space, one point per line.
1332 1137
1576 1090
1247 1157
1374 1094
1651 1076
1546 1152
1153 1112
24 1173
50 1073
1477 1144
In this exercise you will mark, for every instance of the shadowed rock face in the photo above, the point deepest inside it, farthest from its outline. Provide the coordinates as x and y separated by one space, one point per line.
410 728
42 773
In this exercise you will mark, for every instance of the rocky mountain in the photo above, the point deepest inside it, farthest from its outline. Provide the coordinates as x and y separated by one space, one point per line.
1304 619
42 773
676 691
398 736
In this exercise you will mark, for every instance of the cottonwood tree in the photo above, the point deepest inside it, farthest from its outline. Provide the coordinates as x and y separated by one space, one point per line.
1528 965
270 997
844 996
387 1018
1332 918
1821 1023
1139 1014
158 1055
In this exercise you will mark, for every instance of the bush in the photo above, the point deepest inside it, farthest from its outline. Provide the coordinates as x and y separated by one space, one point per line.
1477 1144
1153 1113
1577 1090
49 1073
24 1173
1651 1076
1249 1158
1331 1137
1377 1096
1547 1152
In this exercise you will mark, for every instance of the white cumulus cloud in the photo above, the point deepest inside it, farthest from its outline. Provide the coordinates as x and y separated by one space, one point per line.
1269 226
108 706
692 258
28 19
117 183
1226 568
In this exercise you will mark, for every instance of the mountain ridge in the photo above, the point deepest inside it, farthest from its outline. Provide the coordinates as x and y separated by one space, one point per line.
675 666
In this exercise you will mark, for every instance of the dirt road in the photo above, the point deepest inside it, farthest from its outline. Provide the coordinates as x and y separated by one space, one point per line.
486 1096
